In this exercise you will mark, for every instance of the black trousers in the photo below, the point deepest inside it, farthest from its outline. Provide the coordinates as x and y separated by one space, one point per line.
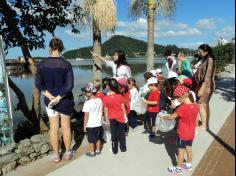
133 119
117 135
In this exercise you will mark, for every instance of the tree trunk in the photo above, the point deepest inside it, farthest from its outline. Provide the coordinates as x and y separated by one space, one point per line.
151 19
97 65
30 66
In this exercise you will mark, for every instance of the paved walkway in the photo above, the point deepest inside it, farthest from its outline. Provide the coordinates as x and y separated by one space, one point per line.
150 158
144 157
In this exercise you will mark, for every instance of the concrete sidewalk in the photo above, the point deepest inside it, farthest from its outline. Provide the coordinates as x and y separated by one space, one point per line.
148 158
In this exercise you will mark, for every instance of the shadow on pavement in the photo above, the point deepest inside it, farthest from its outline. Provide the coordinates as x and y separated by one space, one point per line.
169 140
219 140
226 88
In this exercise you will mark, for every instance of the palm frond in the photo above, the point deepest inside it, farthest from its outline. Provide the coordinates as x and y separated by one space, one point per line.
138 8
166 7
100 13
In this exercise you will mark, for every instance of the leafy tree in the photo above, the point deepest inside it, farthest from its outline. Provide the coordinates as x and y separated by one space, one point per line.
224 54
149 8
23 23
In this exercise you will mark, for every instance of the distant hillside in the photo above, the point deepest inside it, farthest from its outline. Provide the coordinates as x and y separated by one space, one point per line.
132 47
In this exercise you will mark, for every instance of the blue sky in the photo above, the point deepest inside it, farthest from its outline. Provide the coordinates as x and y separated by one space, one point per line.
194 22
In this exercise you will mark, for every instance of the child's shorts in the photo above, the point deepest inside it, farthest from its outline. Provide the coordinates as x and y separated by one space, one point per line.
151 118
94 134
183 144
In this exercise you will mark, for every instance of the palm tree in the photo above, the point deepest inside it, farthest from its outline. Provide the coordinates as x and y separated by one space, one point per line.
149 8
101 15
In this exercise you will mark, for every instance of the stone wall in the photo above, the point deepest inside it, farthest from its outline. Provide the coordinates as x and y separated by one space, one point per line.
23 153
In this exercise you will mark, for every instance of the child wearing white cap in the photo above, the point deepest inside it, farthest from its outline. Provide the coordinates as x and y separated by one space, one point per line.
93 111
152 105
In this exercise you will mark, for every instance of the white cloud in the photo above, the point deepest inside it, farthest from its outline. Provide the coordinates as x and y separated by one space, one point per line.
209 23
163 29
227 32
178 33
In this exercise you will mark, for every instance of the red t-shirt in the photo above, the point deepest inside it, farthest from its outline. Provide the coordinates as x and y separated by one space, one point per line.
127 102
187 119
100 95
113 102
154 96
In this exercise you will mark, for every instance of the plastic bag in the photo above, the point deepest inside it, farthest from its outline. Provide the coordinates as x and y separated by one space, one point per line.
164 125
140 107
106 133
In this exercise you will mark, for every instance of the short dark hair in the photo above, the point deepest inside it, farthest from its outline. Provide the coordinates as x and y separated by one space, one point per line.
148 75
113 84
56 44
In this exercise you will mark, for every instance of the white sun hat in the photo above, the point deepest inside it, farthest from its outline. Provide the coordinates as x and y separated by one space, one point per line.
153 72
158 70
152 81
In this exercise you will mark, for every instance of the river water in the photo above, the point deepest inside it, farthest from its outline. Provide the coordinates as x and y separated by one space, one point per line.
83 74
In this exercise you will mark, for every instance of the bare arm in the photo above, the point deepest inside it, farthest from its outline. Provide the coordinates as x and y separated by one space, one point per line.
97 56
106 114
170 117
123 108
86 116
48 95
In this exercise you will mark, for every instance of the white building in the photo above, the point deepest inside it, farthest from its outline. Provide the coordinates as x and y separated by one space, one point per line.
222 41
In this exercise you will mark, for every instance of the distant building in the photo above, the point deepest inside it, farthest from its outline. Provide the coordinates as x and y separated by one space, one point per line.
222 41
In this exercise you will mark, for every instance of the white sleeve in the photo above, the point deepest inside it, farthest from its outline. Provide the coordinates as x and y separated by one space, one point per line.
110 63
128 72
135 95
86 107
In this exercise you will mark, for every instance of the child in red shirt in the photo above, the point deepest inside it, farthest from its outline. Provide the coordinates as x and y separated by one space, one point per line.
152 105
115 113
187 113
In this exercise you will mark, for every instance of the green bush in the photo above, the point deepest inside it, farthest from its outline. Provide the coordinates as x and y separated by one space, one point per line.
224 55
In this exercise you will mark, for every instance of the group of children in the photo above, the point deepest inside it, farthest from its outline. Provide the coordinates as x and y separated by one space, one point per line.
116 110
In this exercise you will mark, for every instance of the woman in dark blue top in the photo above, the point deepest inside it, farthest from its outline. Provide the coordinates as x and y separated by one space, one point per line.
55 80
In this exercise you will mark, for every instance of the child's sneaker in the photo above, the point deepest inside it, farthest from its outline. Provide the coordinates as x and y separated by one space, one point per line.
187 166
68 155
145 132
90 154
56 158
175 170
98 152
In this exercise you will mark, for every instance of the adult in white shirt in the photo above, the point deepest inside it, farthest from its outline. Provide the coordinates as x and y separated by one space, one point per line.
119 64
171 66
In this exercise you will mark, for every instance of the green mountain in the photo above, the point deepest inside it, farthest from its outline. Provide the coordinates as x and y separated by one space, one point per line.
132 47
